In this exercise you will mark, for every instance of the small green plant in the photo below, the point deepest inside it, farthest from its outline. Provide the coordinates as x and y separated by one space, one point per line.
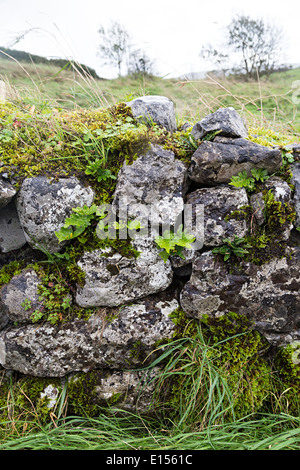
76 224
242 180
96 170
84 217
260 174
237 247
174 243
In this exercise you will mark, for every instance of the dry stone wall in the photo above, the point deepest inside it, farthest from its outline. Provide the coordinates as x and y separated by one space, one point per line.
132 298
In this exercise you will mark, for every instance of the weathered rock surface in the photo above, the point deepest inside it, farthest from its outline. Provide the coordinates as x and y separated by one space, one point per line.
158 109
282 193
113 339
12 236
44 204
21 289
7 192
295 168
112 279
219 202
216 162
153 184
126 390
269 295
225 120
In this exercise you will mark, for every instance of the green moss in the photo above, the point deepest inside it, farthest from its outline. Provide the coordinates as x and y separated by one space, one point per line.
82 393
238 352
184 327
8 271
287 364
23 401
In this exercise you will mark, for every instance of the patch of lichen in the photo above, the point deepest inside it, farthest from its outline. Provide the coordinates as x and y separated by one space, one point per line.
266 241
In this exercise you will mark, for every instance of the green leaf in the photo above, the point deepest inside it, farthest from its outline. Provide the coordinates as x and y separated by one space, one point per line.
164 255
260 174
64 234
167 243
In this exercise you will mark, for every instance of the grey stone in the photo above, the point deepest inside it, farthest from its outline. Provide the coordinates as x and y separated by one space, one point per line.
22 288
258 204
111 338
112 279
132 391
7 192
226 120
219 202
154 184
12 236
158 109
268 295
43 204
216 162
295 168
282 193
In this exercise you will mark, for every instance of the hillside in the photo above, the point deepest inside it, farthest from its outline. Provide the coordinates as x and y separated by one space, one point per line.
267 102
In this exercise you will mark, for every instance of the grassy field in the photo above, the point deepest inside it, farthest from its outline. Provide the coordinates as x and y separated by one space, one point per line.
263 103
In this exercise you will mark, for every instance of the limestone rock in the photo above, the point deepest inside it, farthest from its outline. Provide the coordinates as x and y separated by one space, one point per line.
112 338
219 202
7 191
216 162
282 193
22 288
112 279
295 168
158 109
126 390
44 204
12 236
268 295
226 120
153 185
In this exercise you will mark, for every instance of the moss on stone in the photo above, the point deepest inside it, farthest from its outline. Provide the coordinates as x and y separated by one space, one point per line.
287 365
239 352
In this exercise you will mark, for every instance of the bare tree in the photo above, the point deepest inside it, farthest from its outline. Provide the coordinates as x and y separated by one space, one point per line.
140 63
256 45
115 44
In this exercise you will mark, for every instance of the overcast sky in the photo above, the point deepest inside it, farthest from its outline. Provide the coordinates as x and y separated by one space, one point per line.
171 32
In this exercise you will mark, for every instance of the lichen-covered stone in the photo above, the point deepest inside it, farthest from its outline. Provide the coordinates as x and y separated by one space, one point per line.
112 279
114 339
20 297
282 193
216 162
7 192
295 168
225 121
43 204
268 295
12 236
158 109
153 185
218 203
